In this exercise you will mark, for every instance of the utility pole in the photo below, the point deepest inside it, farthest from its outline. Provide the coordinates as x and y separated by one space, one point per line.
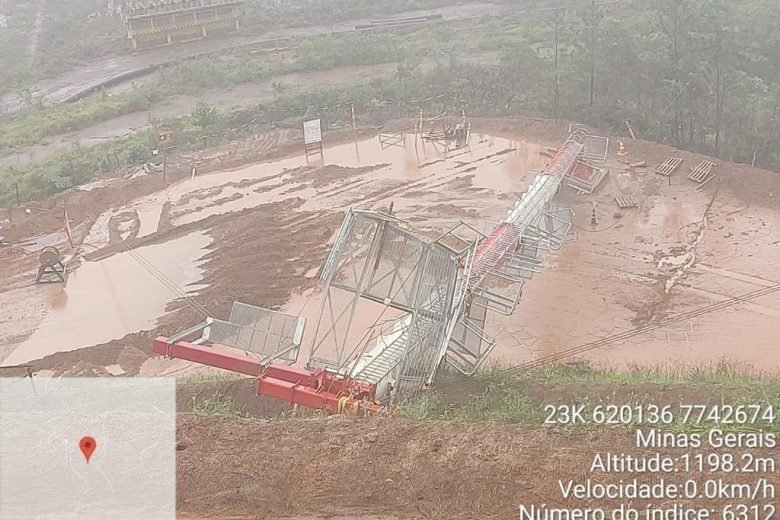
594 18
557 18
719 92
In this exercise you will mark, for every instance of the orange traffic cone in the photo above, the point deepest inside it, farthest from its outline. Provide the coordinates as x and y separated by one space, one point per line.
622 152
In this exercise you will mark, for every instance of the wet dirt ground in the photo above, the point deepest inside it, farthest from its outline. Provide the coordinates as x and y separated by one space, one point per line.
664 258
388 468
265 227
365 173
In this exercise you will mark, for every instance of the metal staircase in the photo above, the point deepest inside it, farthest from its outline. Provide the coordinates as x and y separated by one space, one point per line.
378 368
408 333
392 354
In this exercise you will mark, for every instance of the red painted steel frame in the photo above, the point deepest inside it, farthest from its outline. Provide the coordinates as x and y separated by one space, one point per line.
493 240
311 388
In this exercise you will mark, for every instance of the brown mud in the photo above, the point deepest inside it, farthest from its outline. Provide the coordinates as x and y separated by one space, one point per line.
388 468
269 225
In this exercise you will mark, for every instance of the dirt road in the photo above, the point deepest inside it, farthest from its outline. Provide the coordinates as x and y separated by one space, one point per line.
221 99
56 90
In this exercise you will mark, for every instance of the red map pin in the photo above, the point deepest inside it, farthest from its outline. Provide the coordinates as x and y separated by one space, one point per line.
87 446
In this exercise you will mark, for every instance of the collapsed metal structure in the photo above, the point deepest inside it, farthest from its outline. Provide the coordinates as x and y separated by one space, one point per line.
395 306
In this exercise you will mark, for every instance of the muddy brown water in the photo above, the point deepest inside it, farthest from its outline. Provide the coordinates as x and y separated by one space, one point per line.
495 165
600 285
125 293
110 298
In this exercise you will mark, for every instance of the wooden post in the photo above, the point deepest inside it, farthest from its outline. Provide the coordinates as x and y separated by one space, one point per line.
630 130
68 231
354 122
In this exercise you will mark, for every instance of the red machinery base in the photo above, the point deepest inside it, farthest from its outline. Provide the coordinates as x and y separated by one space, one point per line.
315 389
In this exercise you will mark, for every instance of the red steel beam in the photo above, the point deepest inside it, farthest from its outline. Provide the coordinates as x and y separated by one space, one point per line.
316 389
316 399
207 356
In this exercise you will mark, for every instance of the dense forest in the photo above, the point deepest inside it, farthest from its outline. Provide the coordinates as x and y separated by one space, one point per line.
703 75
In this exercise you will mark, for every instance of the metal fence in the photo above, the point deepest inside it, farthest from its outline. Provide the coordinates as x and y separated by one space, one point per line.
269 334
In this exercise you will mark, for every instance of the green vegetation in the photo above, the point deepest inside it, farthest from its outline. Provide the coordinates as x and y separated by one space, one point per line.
520 397
219 404
190 77
714 91
74 33
205 126
35 125
500 404
212 376
723 374
74 167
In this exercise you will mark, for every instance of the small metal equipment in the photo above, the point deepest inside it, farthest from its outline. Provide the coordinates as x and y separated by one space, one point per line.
52 268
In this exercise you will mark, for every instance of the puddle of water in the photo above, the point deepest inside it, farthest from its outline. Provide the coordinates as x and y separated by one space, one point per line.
489 163
669 216
237 199
39 242
149 218
149 211
113 297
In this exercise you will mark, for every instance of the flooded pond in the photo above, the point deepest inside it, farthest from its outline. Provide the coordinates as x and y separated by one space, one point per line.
116 296
493 164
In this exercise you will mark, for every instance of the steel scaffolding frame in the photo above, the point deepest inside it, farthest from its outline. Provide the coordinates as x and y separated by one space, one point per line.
264 334
440 293
511 253
374 259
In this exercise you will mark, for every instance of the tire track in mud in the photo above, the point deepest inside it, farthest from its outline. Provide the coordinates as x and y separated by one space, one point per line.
405 187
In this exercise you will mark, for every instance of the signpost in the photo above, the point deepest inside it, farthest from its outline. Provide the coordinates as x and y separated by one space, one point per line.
312 137
165 142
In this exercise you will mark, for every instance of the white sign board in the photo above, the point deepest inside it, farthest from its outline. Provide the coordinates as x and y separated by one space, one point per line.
312 131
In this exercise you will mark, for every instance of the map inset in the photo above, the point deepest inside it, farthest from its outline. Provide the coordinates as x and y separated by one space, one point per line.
87 448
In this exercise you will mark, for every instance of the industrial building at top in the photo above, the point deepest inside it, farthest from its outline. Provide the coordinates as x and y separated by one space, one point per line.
164 22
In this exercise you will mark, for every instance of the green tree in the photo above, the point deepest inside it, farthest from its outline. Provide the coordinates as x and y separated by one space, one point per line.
204 116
